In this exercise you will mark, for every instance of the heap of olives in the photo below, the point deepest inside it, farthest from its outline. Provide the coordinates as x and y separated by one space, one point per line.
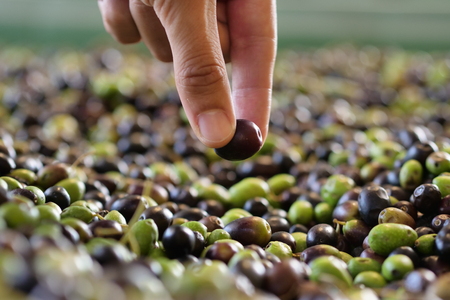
105 193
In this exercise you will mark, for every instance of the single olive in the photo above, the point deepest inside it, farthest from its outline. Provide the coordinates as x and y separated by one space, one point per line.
12 183
279 249
360 264
438 162
346 211
371 201
106 229
114 215
49 175
48 213
422 230
257 206
323 213
142 236
217 234
443 184
331 266
425 245
395 215
301 212
335 186
178 241
254 270
58 195
221 251
212 223
443 242
355 231
311 253
384 238
411 174
395 267
246 189
284 278
370 279
439 221
300 241
250 230
212 207
426 198
281 182
79 212
246 142
322 234
278 223
17 215
25 176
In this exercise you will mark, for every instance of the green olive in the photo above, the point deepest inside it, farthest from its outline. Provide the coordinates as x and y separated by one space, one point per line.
47 212
301 212
335 186
248 188
384 238
79 212
370 279
395 267
411 174
279 249
145 234
330 268
17 215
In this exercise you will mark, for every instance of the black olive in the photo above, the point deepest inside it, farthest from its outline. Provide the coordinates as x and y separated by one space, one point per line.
246 141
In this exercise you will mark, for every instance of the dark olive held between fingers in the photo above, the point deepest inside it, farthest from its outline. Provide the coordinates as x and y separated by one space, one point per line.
246 141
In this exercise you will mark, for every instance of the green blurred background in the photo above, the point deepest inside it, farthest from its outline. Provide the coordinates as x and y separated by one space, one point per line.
417 24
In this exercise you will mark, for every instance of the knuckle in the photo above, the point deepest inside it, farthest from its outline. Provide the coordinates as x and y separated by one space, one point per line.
197 74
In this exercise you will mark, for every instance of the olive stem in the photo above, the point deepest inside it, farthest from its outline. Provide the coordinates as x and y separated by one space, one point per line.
98 216
338 225
133 220
80 158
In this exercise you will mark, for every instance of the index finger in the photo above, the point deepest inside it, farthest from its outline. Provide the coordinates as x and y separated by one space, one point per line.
253 35
199 66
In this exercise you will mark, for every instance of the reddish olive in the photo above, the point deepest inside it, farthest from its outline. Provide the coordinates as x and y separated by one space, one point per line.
246 141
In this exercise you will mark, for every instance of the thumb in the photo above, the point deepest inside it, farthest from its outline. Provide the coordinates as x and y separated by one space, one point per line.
200 71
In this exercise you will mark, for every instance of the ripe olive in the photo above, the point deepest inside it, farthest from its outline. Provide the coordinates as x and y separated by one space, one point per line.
246 141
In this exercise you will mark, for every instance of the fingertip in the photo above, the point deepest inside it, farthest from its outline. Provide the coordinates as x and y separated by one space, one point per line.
215 128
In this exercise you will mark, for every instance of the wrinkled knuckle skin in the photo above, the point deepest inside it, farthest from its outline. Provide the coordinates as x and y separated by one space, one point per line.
197 75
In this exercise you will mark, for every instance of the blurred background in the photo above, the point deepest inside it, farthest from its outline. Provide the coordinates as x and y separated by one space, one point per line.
415 24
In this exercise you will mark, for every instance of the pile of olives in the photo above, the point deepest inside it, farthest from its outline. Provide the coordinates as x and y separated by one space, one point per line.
105 193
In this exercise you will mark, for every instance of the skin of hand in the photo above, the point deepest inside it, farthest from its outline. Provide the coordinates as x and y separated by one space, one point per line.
200 36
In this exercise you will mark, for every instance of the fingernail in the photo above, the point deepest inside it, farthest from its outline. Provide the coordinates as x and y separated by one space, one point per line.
214 126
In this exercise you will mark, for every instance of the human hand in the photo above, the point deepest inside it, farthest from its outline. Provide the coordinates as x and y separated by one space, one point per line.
199 36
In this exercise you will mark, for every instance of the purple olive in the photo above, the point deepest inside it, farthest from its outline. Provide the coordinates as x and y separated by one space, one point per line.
246 141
